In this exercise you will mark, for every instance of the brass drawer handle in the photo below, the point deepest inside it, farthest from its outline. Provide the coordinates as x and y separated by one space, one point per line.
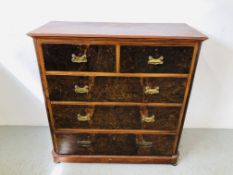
79 59
81 90
84 143
155 61
151 91
148 119
143 143
84 118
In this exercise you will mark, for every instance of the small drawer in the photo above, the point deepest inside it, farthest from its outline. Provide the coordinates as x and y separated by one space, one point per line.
114 144
116 89
156 59
75 57
115 117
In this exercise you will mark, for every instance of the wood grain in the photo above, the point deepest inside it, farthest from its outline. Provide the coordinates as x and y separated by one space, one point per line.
118 30
45 90
116 159
186 97
118 52
109 74
115 41
115 117
116 89
117 131
99 57
176 59
116 103
115 144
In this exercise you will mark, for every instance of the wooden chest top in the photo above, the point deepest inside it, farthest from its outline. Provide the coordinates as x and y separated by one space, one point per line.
118 30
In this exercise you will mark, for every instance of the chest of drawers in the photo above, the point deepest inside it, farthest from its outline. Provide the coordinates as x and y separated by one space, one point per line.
116 92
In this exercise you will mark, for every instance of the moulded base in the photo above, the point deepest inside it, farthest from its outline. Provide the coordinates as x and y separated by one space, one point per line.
116 159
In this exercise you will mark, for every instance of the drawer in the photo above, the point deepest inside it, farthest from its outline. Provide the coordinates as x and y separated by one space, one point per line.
156 59
96 58
114 144
116 89
115 117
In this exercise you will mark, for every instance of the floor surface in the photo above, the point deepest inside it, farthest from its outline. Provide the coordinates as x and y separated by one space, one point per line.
27 151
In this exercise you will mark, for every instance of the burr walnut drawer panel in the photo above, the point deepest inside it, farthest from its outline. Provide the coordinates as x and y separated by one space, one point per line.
96 58
115 117
115 144
164 89
157 59
116 89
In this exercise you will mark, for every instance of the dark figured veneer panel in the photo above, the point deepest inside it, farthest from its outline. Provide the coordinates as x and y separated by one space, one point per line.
158 145
100 88
115 117
96 144
176 59
122 89
104 117
116 89
114 144
170 89
101 58
166 118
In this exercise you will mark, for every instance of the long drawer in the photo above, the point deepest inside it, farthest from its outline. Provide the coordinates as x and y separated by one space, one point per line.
115 144
116 89
115 117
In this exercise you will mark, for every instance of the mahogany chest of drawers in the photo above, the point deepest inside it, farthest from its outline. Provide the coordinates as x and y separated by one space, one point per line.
116 92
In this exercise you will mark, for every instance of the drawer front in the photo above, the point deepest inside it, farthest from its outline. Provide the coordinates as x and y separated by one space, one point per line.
115 117
116 89
96 58
154 59
114 144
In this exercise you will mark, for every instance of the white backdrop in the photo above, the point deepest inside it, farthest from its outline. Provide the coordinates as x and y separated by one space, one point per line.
211 102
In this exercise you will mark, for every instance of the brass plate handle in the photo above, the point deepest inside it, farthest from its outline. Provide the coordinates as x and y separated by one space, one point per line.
81 90
79 59
148 119
151 91
84 143
143 143
84 118
155 61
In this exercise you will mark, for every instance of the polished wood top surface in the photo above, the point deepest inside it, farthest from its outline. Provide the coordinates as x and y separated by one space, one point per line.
118 30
